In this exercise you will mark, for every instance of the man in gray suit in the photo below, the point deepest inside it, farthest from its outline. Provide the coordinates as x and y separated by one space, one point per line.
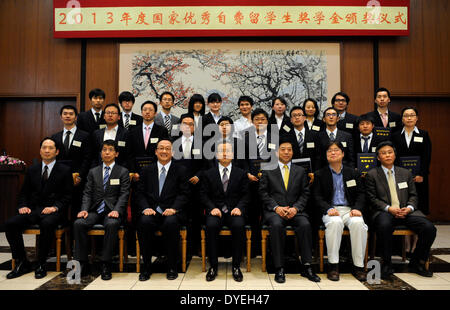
284 193
105 198
164 118
393 199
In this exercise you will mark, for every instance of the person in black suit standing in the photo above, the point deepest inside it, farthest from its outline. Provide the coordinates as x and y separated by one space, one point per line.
210 119
383 117
278 116
312 111
393 201
129 119
112 131
366 141
43 199
224 194
75 151
92 120
164 117
161 196
284 193
347 122
339 197
331 134
411 141
105 199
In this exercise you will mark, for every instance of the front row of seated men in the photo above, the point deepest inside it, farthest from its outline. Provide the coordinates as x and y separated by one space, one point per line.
162 194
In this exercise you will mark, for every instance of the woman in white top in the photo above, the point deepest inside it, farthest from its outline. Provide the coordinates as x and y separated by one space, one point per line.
312 111
196 107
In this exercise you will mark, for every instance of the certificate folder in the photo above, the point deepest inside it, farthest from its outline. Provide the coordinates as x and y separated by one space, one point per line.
412 163
366 161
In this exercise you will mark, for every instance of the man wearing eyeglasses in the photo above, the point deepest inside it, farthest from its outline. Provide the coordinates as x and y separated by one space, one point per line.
333 134
112 131
347 122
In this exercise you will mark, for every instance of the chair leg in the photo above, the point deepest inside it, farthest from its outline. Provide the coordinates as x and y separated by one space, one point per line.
249 250
121 234
138 255
404 249
203 246
13 264
321 235
183 250
58 250
263 250
92 249
125 250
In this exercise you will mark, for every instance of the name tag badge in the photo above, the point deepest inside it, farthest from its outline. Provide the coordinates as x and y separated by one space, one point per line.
402 185
349 125
344 144
195 152
114 181
76 143
418 139
286 128
174 127
272 146
132 122
351 183
102 126
392 124
121 143
153 140
315 128
310 145
374 149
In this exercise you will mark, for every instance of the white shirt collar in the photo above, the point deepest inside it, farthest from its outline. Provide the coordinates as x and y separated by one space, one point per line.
416 130
114 129
385 170
334 131
342 116
93 112
164 115
110 166
50 166
184 138
281 165
166 166
370 135
123 114
302 131
222 167
264 133
144 126
73 130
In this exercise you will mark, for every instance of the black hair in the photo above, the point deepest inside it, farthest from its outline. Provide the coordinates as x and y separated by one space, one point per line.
97 92
329 108
259 111
196 98
284 139
382 89
214 97
337 143
383 144
167 93
315 106
296 108
112 143
112 105
366 118
48 138
150 102
126 96
225 118
246 98
347 98
186 115
410 108
68 107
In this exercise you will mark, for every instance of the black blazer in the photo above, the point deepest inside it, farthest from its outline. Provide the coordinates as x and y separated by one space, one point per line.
252 154
309 145
420 146
134 117
323 189
194 165
136 145
317 122
206 120
174 194
372 146
393 118
345 138
237 194
57 191
79 155
86 121
239 148
285 122
121 140
349 123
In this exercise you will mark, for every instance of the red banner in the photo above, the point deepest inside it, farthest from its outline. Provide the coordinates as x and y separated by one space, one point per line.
200 18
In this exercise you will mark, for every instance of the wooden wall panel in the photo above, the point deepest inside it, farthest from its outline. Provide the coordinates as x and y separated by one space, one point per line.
102 69
357 74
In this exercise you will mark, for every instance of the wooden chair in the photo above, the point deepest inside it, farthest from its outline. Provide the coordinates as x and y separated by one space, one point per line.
264 233
99 230
225 231
183 236
398 231
60 230
346 232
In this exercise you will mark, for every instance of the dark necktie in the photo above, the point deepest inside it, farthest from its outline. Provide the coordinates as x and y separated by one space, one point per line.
127 121
167 123
300 141
101 207
45 174
366 144
97 117
332 137
225 181
260 143
67 141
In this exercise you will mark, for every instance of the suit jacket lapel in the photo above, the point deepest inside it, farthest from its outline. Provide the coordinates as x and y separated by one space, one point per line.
292 175
279 178
384 182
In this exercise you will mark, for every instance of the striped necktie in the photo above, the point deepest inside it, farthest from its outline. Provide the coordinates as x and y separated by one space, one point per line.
101 207
260 143
127 121
167 123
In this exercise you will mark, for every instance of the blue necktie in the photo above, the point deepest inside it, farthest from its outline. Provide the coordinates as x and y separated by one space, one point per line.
366 144
101 207
332 137
162 179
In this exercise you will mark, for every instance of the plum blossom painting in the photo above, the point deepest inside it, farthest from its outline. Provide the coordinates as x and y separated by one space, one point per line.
263 71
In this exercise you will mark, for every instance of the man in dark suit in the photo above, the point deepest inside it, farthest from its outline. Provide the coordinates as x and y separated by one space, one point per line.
165 118
211 118
331 134
129 119
224 193
105 198
347 122
161 196
74 151
284 193
92 120
43 199
382 116
393 197
366 140
112 131
339 197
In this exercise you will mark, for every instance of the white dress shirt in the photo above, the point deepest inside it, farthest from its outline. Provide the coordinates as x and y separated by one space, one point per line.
73 131
408 137
110 134
385 170
240 125
368 141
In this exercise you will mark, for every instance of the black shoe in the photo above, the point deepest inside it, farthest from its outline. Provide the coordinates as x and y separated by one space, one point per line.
106 272
359 273
22 267
308 273
387 272
419 268
237 274
211 274
280 276
333 272
40 271
172 274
